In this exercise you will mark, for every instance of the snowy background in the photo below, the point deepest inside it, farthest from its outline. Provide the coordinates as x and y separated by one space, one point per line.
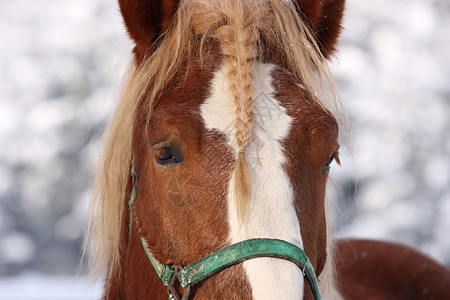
60 68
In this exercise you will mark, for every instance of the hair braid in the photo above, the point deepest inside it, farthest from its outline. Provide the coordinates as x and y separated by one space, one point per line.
238 39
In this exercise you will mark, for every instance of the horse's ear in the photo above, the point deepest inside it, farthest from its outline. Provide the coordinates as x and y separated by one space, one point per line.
145 21
324 18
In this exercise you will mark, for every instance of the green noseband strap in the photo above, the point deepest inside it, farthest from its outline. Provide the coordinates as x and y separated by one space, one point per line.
245 250
228 256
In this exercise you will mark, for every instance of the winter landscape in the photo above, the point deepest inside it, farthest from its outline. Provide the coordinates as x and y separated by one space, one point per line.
61 63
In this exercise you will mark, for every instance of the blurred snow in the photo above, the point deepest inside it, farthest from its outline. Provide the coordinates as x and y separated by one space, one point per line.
44 287
61 64
60 67
393 71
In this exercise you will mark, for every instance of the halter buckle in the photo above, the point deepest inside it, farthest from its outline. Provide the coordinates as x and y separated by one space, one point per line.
172 288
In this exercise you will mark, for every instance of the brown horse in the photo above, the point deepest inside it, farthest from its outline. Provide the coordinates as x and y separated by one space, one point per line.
223 137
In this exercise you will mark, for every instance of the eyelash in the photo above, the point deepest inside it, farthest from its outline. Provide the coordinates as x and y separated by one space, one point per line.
168 155
326 168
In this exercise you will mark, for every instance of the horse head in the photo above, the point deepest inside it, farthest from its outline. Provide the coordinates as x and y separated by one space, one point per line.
230 140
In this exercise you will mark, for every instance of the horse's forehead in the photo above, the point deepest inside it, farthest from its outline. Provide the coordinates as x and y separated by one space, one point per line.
310 118
179 109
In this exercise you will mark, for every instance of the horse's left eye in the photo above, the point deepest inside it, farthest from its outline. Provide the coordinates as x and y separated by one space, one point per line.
326 168
168 155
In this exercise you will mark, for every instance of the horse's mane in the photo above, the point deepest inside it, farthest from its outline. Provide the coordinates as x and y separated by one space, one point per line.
274 26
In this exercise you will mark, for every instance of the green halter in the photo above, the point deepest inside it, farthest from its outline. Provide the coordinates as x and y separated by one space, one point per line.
224 258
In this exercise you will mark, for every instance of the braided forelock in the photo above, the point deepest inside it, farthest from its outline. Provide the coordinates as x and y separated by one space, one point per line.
236 29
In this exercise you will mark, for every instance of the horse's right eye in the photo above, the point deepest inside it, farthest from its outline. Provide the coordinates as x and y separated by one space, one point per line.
326 168
168 155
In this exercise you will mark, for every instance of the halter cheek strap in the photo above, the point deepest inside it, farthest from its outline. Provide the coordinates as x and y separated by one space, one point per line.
226 257
164 271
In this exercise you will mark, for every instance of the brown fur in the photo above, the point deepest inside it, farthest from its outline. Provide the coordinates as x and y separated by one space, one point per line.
324 18
307 148
380 270
146 21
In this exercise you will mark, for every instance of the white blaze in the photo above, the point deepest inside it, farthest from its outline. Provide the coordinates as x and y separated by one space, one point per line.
271 212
